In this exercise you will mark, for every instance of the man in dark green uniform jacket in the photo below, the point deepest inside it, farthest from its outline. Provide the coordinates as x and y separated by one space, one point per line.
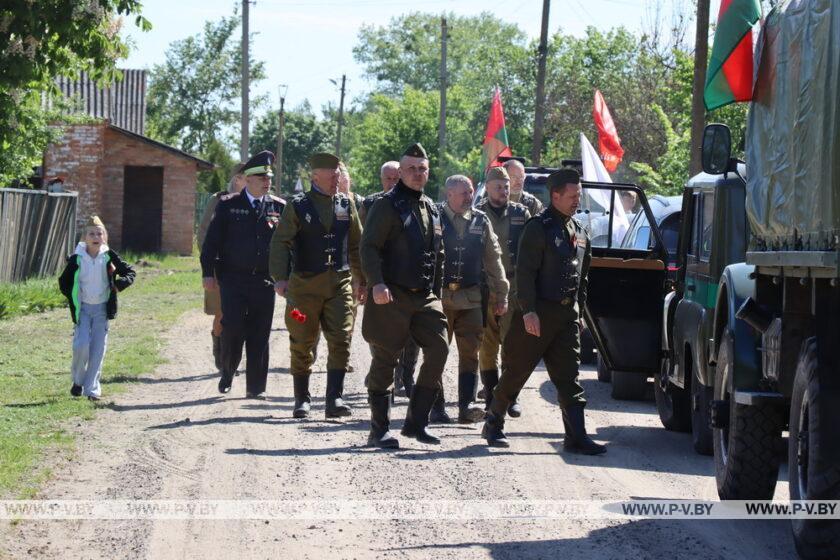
551 271
402 259
319 236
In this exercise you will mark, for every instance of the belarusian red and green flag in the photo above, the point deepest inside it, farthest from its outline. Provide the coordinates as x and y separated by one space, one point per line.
730 75
495 136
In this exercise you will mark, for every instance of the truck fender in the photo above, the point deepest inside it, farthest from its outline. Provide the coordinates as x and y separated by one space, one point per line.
668 310
736 285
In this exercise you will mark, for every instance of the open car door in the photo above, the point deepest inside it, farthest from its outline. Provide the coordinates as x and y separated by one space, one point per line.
626 286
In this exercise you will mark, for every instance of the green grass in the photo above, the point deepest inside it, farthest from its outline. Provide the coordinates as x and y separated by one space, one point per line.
33 296
35 403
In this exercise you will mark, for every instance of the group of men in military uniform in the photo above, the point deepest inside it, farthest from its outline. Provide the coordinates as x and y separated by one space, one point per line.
489 276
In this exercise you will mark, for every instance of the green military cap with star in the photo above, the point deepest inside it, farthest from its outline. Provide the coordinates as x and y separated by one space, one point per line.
323 160
259 164
416 150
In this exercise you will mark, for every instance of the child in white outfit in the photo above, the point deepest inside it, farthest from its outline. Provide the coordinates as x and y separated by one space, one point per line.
90 281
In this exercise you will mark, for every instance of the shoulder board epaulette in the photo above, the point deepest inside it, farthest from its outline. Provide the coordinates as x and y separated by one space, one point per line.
517 205
298 197
277 198
228 196
479 212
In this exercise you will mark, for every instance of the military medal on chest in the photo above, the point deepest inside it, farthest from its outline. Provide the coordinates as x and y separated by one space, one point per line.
308 218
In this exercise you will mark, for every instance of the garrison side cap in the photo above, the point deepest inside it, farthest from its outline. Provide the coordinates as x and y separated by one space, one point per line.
416 150
259 164
562 177
323 160
497 173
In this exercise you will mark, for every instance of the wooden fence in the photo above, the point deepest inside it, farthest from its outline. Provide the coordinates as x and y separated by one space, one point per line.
37 232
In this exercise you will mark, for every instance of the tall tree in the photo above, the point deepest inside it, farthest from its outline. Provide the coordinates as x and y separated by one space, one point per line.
304 135
40 41
193 97
483 52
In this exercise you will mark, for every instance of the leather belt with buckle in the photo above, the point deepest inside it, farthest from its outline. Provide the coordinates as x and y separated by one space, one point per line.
454 286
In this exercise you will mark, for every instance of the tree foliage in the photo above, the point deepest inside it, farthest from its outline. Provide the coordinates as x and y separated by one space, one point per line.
304 134
40 41
193 97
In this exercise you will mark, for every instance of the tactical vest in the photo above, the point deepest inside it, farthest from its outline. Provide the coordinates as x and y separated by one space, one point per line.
463 262
317 249
559 274
409 259
516 215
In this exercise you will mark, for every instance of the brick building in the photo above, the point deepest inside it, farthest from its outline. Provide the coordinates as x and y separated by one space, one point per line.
143 190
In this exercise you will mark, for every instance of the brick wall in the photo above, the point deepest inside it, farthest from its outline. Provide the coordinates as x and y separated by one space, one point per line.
93 159
76 156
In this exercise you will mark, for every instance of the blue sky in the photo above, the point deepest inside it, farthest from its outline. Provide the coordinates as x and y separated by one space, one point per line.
305 43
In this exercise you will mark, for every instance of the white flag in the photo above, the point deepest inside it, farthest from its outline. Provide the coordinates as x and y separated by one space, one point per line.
594 171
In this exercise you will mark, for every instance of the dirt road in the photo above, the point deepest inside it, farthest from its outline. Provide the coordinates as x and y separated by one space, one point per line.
175 437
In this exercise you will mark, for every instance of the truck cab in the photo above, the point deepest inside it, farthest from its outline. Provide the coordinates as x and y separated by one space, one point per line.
713 235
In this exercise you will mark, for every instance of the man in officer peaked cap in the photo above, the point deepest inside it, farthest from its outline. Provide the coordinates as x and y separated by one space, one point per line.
234 259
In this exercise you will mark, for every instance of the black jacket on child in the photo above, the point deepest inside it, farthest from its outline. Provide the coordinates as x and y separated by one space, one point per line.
120 277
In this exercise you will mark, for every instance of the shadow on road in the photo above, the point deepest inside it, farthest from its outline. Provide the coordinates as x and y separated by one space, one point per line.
156 380
695 539
162 406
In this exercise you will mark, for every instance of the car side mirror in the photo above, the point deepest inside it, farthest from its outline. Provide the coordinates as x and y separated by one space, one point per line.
717 149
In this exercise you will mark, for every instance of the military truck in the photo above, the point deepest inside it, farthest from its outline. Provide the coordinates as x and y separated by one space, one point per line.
775 330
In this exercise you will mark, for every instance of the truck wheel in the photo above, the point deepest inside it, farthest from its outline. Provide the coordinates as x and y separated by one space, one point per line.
629 386
701 430
747 451
813 476
604 373
672 402
587 347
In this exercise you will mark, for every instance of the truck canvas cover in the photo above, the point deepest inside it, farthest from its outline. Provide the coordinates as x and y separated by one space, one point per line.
793 130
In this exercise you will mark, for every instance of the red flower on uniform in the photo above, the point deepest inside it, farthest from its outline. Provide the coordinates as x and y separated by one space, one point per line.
298 316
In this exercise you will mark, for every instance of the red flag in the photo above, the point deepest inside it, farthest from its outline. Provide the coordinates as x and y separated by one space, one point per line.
609 143
495 136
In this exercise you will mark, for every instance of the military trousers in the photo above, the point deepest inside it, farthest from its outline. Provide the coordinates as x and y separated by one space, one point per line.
327 301
558 345
247 313
466 326
388 327
494 333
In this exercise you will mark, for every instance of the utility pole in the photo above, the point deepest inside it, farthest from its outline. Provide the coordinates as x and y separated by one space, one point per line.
698 108
443 84
280 144
246 85
340 117
539 103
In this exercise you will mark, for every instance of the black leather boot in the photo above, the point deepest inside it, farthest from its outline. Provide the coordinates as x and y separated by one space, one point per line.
468 411
489 379
380 421
493 431
302 398
438 414
417 417
515 409
217 351
335 406
576 440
